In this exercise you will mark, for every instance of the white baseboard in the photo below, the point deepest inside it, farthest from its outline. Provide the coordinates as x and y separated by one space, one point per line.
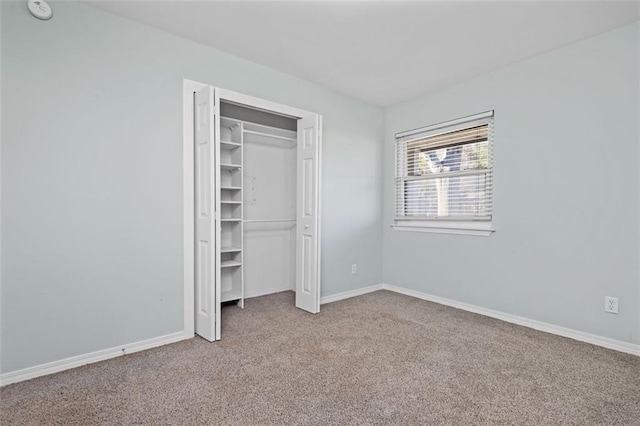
581 336
350 293
90 358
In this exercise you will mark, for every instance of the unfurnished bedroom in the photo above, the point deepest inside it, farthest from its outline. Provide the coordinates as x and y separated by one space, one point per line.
310 212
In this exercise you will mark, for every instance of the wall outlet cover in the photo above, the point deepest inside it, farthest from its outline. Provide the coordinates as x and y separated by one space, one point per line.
611 304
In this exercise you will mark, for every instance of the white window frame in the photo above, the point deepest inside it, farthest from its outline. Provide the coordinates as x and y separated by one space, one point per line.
445 225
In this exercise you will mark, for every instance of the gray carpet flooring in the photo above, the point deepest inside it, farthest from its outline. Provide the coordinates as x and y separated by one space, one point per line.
381 358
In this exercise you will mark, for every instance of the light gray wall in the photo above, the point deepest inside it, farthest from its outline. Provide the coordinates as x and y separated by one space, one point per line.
92 183
566 191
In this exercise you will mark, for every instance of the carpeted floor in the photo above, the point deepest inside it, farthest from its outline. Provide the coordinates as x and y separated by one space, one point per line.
381 358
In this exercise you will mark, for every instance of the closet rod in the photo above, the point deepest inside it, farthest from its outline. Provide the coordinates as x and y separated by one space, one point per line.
264 126
268 220
253 132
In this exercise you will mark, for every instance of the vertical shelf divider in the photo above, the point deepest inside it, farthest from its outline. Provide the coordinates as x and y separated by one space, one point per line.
231 211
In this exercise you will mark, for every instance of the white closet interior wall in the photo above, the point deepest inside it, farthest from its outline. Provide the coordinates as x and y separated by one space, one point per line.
269 199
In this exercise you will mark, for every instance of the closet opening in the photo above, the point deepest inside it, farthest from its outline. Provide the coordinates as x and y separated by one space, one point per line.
258 252
256 203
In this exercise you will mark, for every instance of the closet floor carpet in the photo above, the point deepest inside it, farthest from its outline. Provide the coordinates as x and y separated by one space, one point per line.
381 358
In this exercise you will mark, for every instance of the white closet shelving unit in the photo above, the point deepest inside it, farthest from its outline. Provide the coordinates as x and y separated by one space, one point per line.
234 135
230 207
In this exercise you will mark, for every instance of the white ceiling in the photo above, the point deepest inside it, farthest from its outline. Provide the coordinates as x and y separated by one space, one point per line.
381 52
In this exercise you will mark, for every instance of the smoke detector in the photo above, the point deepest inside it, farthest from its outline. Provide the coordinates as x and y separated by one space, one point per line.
40 9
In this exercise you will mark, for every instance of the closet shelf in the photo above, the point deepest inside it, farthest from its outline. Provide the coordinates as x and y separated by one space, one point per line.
233 294
230 166
230 249
230 145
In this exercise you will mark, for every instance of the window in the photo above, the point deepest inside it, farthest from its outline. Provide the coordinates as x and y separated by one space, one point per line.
444 176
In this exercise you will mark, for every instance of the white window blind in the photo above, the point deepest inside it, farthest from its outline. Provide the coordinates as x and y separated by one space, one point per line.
444 171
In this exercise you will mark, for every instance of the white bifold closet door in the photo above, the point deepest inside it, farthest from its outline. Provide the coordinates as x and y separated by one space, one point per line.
205 214
307 227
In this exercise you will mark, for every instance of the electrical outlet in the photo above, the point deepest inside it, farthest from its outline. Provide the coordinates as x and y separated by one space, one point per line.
611 304
354 269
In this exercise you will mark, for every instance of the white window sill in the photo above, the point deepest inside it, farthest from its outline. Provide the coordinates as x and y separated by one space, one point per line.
480 229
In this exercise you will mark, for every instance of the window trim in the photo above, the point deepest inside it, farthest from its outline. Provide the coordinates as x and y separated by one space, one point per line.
476 226
450 123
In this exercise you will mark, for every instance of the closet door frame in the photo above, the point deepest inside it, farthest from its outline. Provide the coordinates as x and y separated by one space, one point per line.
189 87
